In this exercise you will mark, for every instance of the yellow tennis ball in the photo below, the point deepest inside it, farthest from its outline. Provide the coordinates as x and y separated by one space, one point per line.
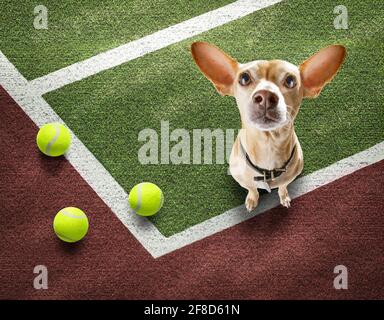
146 199
70 224
53 139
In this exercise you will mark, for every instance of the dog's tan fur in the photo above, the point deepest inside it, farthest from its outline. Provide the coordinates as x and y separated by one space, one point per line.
269 146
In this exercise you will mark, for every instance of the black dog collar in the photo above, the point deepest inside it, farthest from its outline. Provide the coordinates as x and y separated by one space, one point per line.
267 175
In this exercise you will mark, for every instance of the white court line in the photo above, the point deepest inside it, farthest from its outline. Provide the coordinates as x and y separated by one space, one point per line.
147 44
30 100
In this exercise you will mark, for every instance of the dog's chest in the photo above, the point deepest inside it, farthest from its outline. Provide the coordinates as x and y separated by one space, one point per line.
268 158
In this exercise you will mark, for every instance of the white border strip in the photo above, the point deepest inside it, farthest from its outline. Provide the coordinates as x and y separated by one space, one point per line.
147 44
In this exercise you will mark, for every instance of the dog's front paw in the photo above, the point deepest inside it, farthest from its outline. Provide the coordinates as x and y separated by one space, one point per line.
251 201
285 201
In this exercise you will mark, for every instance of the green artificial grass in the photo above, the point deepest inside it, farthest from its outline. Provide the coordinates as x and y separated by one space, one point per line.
80 29
108 110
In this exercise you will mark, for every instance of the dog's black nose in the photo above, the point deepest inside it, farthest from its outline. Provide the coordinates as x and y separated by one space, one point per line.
265 99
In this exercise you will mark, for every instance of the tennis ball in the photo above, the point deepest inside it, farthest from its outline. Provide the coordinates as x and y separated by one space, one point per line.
146 199
70 224
53 139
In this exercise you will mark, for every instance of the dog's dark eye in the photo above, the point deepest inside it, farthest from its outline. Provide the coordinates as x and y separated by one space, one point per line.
290 82
244 79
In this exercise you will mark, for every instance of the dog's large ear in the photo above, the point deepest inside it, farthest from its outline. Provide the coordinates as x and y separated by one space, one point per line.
320 69
216 65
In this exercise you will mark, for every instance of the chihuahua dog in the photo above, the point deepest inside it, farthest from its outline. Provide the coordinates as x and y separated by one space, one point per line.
267 153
